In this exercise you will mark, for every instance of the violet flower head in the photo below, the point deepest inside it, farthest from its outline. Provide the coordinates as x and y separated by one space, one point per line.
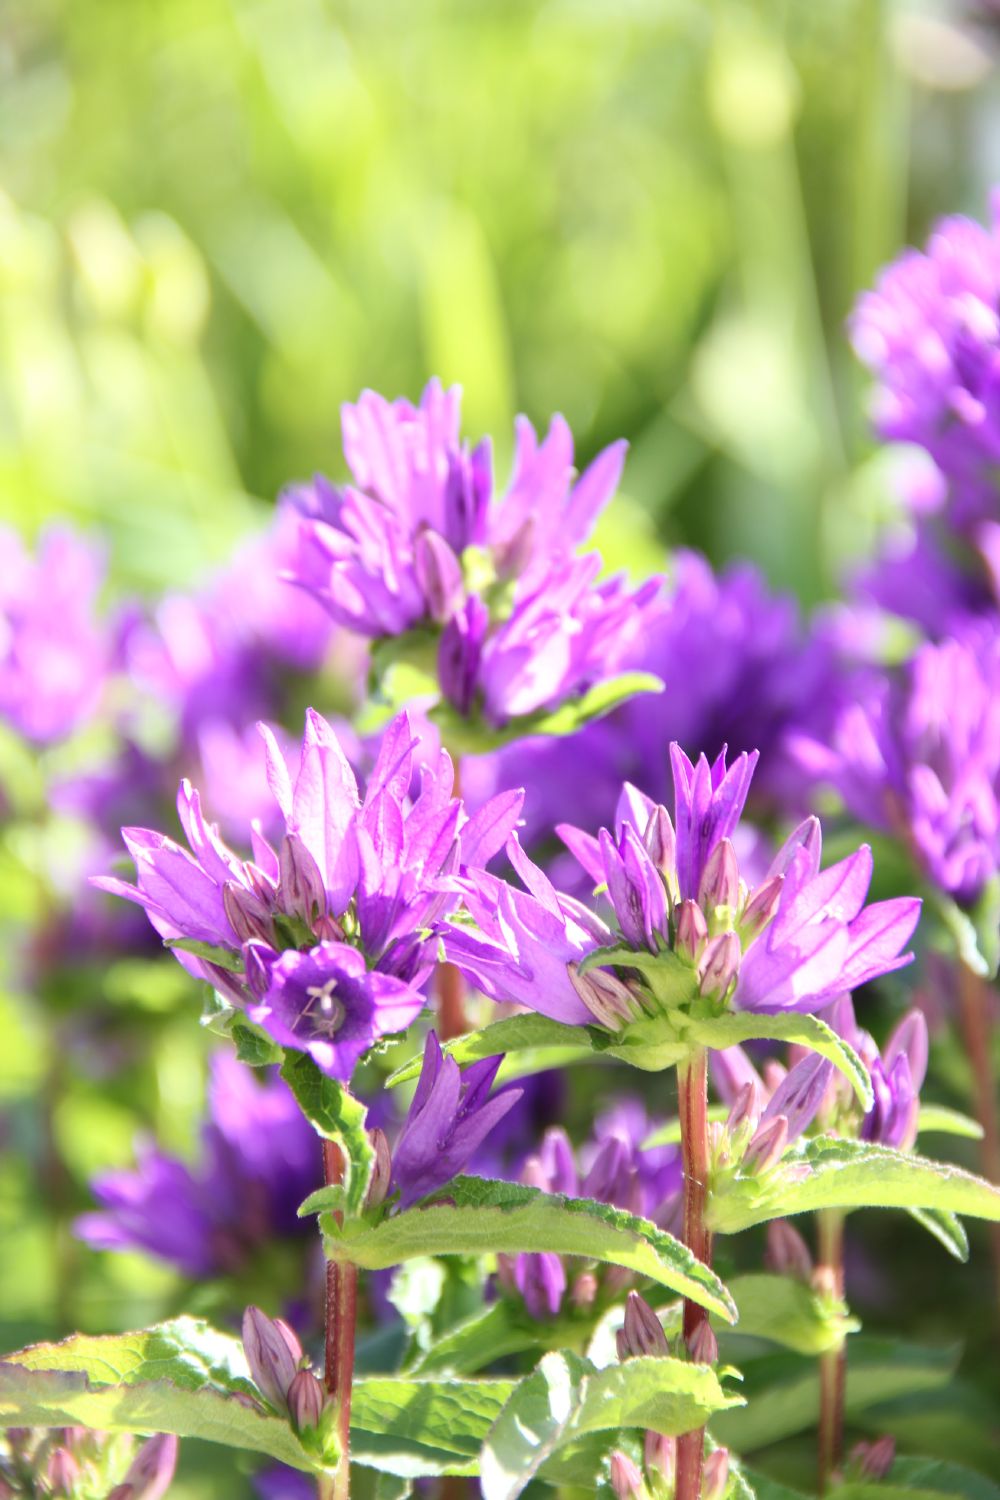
795 942
419 542
897 1075
449 1118
328 939
55 654
258 1162
919 756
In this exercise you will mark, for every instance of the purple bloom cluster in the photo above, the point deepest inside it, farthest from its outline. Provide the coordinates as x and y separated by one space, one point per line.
328 939
259 1161
419 541
918 755
795 942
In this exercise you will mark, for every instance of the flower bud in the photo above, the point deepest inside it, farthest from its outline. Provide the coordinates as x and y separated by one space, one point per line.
609 1001
720 879
583 1293
719 965
642 1331
715 1474
745 1110
703 1346
874 1460
300 885
273 1354
774 1074
259 959
626 1477
151 1471
660 1456
761 908
306 1400
660 841
768 1145
439 575
62 1472
909 1040
327 929
246 913
692 930
381 1176
787 1253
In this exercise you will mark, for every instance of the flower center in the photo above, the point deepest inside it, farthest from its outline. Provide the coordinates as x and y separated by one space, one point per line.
324 1009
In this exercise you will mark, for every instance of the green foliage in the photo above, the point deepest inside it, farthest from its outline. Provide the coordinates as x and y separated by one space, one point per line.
567 1397
482 1217
476 737
337 1116
789 1313
416 1427
527 1032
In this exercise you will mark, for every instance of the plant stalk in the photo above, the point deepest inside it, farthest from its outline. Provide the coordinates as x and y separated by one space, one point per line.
974 1000
833 1362
341 1319
692 1087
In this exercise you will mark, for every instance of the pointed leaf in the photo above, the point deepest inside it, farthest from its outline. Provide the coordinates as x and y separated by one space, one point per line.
790 1313
223 958
527 1032
948 1122
791 1027
336 1115
945 1227
414 1427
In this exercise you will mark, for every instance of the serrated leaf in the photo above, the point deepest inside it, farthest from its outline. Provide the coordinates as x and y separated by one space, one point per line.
415 1427
935 1117
182 1377
566 1398
514 1034
947 1228
253 1046
791 1027
668 978
790 1313
853 1174
223 958
335 1114
483 1217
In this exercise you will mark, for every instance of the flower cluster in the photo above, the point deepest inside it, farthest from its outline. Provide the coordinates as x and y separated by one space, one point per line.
75 1463
327 940
796 941
418 541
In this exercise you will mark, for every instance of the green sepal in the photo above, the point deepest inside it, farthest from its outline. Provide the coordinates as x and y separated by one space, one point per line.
223 958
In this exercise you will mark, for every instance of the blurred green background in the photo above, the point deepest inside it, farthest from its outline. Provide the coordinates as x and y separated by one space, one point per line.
219 219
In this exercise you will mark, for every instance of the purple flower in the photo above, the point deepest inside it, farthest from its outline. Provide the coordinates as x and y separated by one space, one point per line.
897 1075
419 540
259 1161
55 654
329 937
450 1116
919 756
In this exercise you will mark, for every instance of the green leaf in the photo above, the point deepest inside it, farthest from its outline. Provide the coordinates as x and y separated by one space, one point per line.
253 1046
491 1333
782 1390
566 1397
514 1034
854 1174
223 958
975 934
790 1313
922 1479
181 1377
413 1427
945 1227
336 1115
948 1122
464 736
802 1030
482 1217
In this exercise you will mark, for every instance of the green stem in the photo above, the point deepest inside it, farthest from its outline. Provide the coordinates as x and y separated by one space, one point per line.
692 1087
341 1321
833 1363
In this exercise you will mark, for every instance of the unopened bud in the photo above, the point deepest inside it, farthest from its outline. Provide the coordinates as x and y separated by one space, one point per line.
874 1460
909 1040
327 929
719 965
715 1474
720 879
745 1110
692 930
626 1477
246 913
259 959
642 1331
273 1354
306 1399
583 1292
151 1471
774 1074
703 1346
768 1146
62 1472
439 575
381 1176
761 908
300 885
609 1001
787 1253
660 1457
660 841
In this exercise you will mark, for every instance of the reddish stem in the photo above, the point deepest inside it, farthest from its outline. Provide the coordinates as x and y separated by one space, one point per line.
974 999
692 1086
832 1363
341 1320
